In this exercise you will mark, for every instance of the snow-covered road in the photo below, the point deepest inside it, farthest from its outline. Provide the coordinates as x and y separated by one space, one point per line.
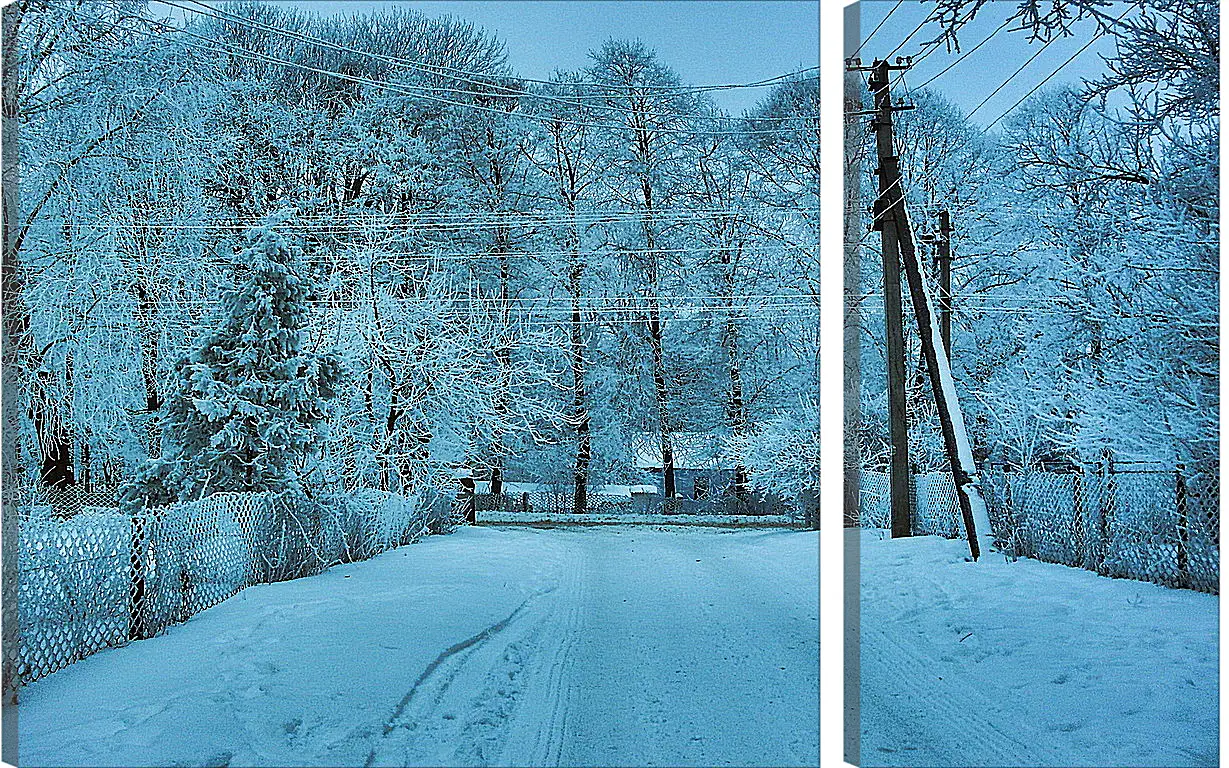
598 646
1029 663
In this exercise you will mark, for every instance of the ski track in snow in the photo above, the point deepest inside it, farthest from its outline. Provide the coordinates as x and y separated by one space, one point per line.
917 702
463 708
1029 663
620 645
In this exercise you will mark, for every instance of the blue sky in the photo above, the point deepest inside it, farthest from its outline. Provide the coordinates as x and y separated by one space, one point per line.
973 79
705 41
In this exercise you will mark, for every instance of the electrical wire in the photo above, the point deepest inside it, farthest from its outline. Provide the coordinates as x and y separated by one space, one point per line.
908 37
462 223
1057 69
1012 76
417 93
392 225
487 84
966 54
882 21
504 89
926 50
403 259
459 74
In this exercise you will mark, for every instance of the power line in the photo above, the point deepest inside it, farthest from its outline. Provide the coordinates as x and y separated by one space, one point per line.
423 66
1046 79
487 83
924 52
401 259
908 37
416 91
466 76
764 309
1012 76
499 215
455 221
882 21
444 223
968 53
473 308
554 301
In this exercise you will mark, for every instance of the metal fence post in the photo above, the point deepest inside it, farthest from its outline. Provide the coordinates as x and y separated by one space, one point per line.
1018 505
1079 541
1009 512
915 518
1107 510
468 502
1184 533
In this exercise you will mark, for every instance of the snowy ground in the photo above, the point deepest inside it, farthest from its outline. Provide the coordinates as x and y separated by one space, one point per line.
1028 663
595 646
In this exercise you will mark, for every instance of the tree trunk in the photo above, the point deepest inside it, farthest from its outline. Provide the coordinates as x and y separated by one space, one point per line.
147 312
663 400
580 410
737 412
657 346
851 336
55 438
390 431
503 363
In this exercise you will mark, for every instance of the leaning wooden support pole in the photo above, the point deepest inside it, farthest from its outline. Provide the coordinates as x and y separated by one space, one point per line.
951 420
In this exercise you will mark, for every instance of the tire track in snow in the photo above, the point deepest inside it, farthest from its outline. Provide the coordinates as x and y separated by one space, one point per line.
464 645
684 662
464 707
422 716
541 739
900 686
903 700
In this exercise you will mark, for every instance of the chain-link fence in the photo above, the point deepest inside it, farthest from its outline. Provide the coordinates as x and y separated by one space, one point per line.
1158 525
71 500
99 578
932 503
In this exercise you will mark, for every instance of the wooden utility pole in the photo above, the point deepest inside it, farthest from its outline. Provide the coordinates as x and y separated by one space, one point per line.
892 220
942 242
14 336
945 281
894 325
951 421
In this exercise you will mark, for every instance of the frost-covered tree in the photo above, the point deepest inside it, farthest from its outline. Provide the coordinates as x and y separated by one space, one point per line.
507 292
1085 246
647 146
248 407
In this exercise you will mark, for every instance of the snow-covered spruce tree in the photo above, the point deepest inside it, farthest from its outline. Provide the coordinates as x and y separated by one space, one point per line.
248 405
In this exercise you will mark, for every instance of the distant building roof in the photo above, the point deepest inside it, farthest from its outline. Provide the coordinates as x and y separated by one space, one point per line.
624 491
